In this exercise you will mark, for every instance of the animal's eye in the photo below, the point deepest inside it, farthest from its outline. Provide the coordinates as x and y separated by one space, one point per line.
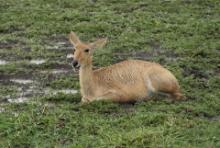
86 50
74 50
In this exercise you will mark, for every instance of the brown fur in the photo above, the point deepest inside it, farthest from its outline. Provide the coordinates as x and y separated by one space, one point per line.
130 80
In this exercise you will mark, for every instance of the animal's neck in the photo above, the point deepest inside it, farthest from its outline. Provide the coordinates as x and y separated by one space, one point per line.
86 80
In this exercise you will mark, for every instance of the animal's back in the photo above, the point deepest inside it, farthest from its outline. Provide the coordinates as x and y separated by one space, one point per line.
125 72
136 79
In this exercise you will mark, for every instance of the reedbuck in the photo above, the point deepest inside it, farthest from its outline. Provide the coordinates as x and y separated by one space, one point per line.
130 80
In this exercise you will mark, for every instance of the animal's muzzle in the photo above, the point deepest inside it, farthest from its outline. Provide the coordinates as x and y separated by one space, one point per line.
75 64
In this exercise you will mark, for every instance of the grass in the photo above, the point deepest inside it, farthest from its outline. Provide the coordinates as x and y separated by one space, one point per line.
181 35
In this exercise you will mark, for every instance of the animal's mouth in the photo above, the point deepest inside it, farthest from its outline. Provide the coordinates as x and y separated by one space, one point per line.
76 67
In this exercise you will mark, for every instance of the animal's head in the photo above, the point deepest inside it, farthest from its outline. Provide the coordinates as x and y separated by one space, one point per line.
82 52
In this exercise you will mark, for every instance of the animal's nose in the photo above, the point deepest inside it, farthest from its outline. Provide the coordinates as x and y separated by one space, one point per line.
75 63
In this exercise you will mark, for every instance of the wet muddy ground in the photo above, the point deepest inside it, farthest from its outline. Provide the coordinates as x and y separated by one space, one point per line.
32 85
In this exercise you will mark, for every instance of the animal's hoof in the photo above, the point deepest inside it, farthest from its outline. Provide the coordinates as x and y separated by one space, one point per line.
85 100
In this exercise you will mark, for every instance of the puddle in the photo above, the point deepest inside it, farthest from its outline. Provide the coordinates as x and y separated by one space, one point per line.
2 110
21 81
8 44
29 92
65 91
37 61
52 47
68 56
56 71
3 62
61 43
23 94
18 100
58 48
59 71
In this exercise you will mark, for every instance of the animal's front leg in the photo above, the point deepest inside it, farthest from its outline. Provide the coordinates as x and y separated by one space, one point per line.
109 95
85 100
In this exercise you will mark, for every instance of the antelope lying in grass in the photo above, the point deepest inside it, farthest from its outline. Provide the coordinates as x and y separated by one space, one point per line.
130 80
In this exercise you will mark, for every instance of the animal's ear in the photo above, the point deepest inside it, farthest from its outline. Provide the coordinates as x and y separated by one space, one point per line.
99 43
73 38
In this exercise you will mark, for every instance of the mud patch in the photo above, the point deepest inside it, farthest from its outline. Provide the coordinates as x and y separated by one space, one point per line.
2 110
18 100
155 53
5 78
64 91
32 86
54 65
69 56
21 81
3 62
24 94
56 71
195 72
57 47
215 118
38 61
147 55
8 44
158 53
59 71
58 43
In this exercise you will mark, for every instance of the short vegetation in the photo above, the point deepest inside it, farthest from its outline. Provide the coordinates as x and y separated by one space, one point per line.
182 35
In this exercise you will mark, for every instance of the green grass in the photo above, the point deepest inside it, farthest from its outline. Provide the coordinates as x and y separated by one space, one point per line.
184 36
